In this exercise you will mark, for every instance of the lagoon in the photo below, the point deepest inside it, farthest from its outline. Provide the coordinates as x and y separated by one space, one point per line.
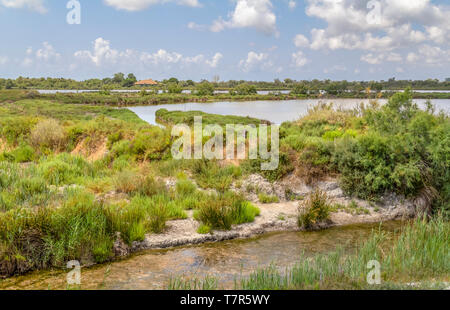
276 112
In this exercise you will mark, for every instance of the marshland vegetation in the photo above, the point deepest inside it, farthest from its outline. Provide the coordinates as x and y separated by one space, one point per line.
74 175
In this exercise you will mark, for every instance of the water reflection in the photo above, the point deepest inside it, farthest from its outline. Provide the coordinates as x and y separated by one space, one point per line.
275 111
227 260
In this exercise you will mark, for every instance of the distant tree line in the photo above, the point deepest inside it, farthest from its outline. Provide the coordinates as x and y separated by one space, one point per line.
174 85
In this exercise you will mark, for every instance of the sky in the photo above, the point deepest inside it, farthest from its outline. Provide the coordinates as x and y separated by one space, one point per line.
232 39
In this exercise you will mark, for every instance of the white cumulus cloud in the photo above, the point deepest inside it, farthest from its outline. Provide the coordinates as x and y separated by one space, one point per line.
138 5
36 5
257 14
254 60
103 54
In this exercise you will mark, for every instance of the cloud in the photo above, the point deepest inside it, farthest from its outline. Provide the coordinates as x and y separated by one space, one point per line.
254 60
301 41
3 60
36 5
350 26
429 55
103 54
47 53
256 14
195 26
139 5
215 60
376 59
399 25
292 4
299 59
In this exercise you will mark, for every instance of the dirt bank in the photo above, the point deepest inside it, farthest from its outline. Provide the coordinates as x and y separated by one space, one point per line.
282 216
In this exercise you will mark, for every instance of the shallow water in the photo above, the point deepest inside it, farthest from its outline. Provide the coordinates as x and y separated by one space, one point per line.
276 112
226 260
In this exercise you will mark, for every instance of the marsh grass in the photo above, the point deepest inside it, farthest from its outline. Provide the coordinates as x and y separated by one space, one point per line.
224 210
264 198
418 253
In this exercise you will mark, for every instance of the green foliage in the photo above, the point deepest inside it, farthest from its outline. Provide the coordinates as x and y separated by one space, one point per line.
264 198
152 143
418 253
208 174
64 169
204 229
48 134
314 210
224 210
205 89
174 88
244 89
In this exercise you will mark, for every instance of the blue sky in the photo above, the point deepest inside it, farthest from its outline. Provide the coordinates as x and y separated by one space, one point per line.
234 39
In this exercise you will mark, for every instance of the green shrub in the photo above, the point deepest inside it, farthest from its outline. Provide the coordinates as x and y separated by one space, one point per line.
158 217
48 134
314 210
64 169
185 188
264 198
23 154
204 89
245 212
204 229
244 89
132 183
152 143
221 212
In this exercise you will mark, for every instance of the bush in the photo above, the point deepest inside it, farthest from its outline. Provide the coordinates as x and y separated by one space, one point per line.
185 188
204 229
158 217
132 183
23 154
48 134
314 210
244 90
264 198
64 169
205 89
151 143
221 212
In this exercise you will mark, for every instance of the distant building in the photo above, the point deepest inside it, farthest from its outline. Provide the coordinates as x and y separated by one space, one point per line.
149 82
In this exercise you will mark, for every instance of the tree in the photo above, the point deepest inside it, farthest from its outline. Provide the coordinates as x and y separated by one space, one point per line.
118 78
173 80
132 77
9 84
174 88
205 89
300 89
129 81
245 89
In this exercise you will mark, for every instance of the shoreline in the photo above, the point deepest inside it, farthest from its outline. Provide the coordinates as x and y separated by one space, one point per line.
279 217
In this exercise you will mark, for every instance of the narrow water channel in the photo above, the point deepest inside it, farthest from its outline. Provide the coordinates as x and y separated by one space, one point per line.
227 261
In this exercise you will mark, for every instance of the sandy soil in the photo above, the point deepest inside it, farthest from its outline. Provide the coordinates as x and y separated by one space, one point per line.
274 217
